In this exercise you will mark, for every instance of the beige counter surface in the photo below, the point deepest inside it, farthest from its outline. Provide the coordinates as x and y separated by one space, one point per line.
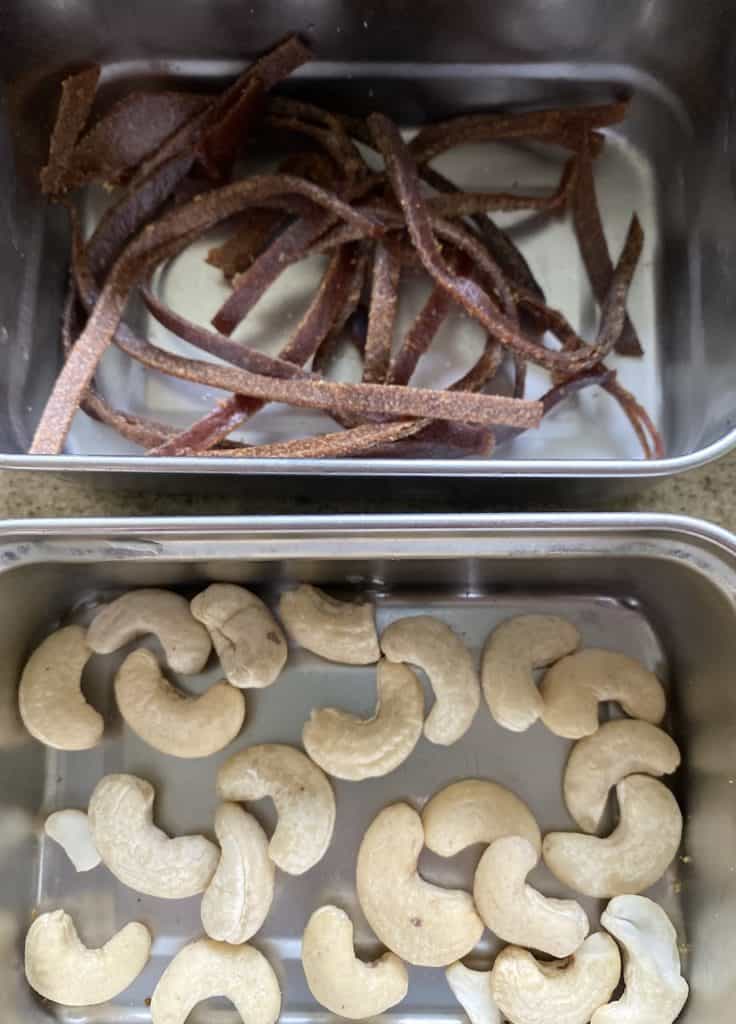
707 493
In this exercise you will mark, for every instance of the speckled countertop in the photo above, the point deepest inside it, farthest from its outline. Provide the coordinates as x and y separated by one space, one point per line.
706 493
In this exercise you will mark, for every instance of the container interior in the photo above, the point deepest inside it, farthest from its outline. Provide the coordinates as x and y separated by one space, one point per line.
664 606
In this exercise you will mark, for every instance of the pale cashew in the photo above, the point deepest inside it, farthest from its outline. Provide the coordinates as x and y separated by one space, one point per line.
422 923
336 630
169 721
472 989
528 991
61 968
138 853
476 811
430 643
349 747
237 900
341 982
515 911
70 829
185 641
513 650
655 990
572 689
205 969
249 641
50 697
617 749
634 856
304 801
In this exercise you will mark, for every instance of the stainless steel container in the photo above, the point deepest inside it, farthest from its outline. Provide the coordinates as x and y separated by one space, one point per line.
662 589
671 160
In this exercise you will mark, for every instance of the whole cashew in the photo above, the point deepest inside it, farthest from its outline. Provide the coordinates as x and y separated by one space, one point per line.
336 630
476 811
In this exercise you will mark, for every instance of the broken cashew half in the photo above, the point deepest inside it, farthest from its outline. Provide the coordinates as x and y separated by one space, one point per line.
205 969
70 829
513 650
573 688
341 982
249 642
476 811
472 989
50 698
138 853
336 630
528 991
349 747
237 900
422 923
515 911
655 990
185 641
169 721
430 643
598 762
304 800
634 856
61 968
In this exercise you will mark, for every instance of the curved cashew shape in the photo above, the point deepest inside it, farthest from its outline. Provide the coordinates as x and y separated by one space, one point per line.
513 650
341 982
70 829
349 747
655 989
476 811
238 899
336 630
138 853
169 721
572 689
617 749
530 992
185 641
61 968
430 643
422 923
205 969
249 641
50 697
515 911
634 856
472 989
304 801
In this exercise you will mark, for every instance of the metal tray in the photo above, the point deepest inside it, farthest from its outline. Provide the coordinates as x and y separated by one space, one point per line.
661 589
670 161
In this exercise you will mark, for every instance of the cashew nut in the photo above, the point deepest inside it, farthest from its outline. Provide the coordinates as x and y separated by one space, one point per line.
304 801
238 898
422 923
61 968
634 856
336 630
249 641
70 829
472 989
572 689
512 652
528 991
185 641
349 747
476 811
205 969
439 651
655 990
169 721
50 697
138 853
619 748
515 911
341 982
